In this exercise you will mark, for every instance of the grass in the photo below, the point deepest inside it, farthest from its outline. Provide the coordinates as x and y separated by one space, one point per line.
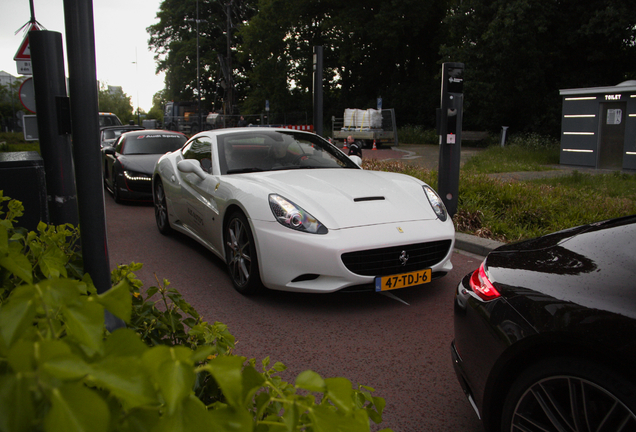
14 142
510 211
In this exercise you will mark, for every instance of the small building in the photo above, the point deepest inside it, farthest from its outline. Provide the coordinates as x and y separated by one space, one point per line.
598 127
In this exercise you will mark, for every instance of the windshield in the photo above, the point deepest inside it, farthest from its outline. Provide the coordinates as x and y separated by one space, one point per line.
153 143
267 150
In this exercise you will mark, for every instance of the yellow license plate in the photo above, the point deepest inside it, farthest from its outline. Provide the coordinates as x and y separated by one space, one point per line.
403 280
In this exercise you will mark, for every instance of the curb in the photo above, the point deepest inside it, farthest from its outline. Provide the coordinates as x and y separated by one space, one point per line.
475 245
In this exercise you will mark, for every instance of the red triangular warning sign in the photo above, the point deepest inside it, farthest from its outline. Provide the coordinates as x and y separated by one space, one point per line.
24 52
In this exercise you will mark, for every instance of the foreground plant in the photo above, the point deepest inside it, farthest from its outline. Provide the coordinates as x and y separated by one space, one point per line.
60 369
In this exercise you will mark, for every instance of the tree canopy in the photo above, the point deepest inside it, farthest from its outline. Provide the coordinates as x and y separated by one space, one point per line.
517 54
113 99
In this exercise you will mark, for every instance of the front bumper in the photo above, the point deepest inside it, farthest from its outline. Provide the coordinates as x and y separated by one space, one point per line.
296 261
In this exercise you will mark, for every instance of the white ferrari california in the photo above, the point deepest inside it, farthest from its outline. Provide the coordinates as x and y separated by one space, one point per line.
288 210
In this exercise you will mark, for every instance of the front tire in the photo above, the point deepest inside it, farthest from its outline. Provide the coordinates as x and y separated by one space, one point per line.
569 394
240 254
116 195
161 208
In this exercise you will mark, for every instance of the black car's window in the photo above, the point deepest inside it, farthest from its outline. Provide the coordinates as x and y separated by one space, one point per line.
266 150
200 149
119 143
153 143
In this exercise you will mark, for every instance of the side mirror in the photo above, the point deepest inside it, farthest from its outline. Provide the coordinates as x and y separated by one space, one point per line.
109 150
191 166
357 160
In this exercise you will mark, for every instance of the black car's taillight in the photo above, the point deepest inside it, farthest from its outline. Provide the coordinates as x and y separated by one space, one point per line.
481 285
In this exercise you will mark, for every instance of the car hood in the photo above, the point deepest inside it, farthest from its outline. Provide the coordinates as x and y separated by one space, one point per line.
143 163
574 265
344 198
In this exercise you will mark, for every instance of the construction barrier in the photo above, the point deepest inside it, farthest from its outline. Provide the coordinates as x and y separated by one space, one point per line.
309 128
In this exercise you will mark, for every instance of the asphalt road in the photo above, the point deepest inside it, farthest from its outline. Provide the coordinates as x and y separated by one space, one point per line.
398 345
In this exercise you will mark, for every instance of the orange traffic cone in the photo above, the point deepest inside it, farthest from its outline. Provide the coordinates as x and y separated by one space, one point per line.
345 145
374 146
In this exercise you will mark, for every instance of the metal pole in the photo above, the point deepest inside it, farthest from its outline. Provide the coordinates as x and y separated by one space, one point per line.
318 101
80 43
49 83
198 74
230 88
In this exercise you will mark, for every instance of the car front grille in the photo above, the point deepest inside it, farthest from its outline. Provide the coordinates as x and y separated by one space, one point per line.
386 261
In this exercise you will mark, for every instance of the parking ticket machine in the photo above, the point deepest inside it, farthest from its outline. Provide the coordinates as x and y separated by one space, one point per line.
449 128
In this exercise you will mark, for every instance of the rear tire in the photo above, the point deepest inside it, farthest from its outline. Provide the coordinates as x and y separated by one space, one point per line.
240 254
161 208
569 394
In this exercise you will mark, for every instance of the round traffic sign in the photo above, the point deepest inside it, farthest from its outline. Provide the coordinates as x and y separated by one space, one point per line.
27 95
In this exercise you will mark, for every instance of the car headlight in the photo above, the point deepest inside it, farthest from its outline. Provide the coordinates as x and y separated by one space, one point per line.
292 216
436 203
136 176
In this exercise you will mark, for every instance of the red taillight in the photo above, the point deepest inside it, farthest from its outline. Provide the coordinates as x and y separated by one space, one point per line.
481 286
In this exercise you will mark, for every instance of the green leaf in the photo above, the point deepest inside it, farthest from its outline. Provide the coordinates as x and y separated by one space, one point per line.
252 382
124 342
85 323
140 420
174 375
126 379
17 314
16 406
325 419
118 300
310 380
74 408
66 367
227 419
227 373
340 392
12 258
192 415
52 262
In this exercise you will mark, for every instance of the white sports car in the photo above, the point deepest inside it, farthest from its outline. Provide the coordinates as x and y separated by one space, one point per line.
289 211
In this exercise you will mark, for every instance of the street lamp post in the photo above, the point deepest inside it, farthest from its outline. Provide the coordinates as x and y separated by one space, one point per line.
197 21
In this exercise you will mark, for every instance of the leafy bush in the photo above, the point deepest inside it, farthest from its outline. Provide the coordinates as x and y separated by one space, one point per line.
60 369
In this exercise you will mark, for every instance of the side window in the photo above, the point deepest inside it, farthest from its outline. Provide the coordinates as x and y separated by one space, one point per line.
120 144
201 150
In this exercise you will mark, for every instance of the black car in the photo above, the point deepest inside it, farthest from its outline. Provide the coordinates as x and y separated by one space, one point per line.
545 332
109 134
129 163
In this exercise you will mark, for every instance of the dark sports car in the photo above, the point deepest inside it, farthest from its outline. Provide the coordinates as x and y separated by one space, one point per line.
129 163
545 332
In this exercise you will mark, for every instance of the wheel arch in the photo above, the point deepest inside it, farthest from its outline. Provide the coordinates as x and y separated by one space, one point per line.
535 349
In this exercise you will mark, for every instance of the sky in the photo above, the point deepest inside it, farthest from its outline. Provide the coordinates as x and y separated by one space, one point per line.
121 41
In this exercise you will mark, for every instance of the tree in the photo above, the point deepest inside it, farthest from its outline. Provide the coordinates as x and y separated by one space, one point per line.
113 99
518 54
174 41
372 48
158 102
10 104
